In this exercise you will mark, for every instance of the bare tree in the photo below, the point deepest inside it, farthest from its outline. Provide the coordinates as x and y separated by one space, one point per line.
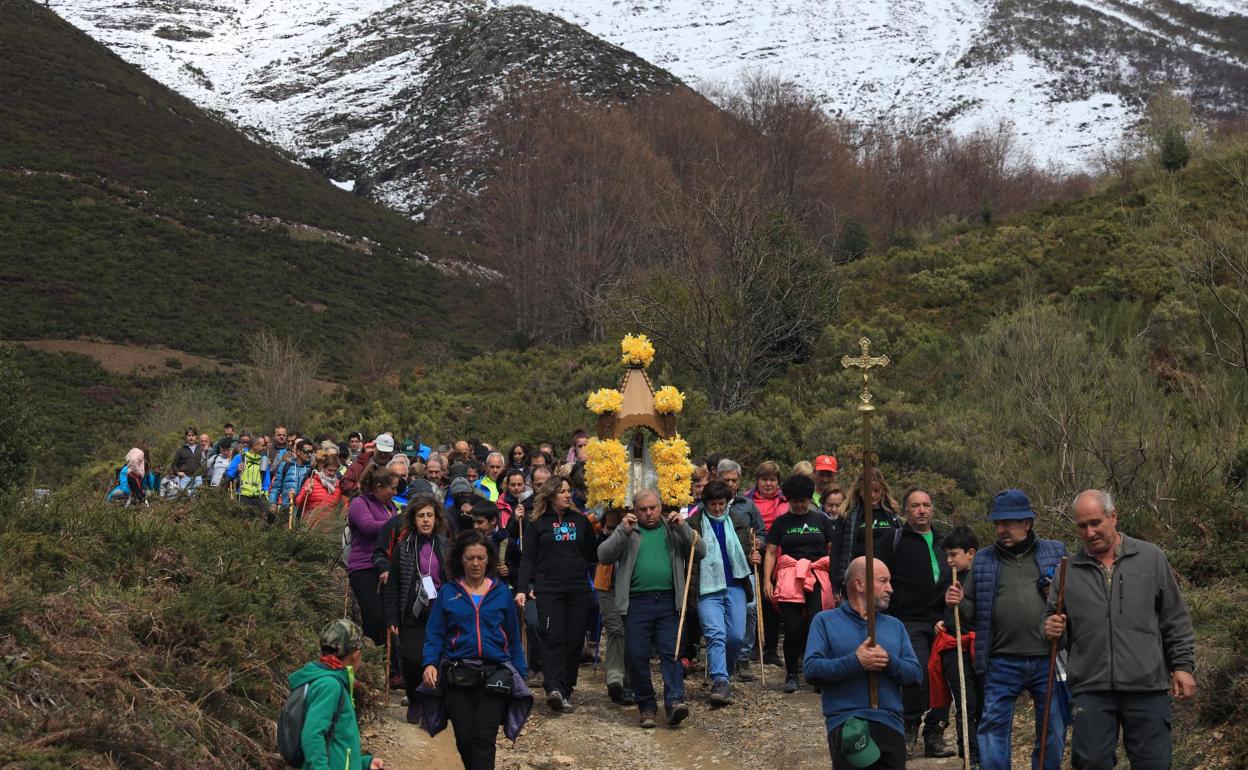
281 378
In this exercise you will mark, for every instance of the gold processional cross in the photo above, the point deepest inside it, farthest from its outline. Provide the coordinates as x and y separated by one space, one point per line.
866 362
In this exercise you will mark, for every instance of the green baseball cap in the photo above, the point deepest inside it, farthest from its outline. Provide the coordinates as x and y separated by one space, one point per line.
857 746
343 636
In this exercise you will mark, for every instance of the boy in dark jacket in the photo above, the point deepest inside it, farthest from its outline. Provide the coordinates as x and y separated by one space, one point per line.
960 546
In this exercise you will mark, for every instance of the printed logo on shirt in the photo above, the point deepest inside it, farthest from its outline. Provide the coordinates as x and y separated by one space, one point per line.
804 529
565 533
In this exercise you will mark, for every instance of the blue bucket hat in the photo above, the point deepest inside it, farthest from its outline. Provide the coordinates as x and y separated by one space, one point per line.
1010 504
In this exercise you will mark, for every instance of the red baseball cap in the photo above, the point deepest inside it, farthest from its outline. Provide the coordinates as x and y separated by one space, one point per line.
825 463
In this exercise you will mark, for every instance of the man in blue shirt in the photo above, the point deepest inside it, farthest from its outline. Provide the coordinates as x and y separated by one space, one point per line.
838 658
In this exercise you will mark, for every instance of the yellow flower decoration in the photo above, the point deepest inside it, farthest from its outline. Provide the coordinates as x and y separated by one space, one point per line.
606 473
669 400
605 400
675 472
637 350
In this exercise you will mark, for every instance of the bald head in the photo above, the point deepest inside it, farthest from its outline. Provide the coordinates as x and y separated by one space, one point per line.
856 584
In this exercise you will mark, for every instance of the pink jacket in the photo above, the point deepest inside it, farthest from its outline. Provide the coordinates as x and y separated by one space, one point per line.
795 578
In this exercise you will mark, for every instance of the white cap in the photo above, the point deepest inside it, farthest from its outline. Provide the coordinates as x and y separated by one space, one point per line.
384 443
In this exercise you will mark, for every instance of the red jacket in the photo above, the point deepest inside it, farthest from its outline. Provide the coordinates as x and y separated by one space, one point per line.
938 694
316 501
770 508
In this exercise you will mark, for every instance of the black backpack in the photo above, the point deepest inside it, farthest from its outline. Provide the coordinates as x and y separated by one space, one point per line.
290 724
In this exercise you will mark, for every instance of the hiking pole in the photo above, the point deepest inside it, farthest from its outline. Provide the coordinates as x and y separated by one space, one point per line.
524 624
758 612
1048 691
346 599
966 734
684 602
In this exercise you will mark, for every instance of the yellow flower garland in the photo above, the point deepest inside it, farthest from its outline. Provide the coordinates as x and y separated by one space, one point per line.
669 400
675 472
606 473
637 350
605 400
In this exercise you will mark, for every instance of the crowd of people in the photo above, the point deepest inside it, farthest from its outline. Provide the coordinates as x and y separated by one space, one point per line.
485 572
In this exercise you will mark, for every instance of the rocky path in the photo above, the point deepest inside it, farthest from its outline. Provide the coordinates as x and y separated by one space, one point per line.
764 728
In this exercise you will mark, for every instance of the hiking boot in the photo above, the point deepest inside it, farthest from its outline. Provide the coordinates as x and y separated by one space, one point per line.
912 741
743 672
934 746
615 691
676 713
647 719
790 683
628 698
772 659
567 705
396 681
413 715
721 693
554 700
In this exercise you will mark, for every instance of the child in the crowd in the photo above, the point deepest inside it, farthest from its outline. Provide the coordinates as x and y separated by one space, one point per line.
960 546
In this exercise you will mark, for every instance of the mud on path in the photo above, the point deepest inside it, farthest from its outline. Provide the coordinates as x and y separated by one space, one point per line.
763 728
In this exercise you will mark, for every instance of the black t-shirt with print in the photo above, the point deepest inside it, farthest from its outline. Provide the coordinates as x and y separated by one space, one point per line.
802 537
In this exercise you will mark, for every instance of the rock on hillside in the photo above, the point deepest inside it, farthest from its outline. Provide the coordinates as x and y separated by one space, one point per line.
1071 75
367 91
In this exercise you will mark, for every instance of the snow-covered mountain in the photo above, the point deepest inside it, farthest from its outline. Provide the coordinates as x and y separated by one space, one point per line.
377 94
1069 74
384 94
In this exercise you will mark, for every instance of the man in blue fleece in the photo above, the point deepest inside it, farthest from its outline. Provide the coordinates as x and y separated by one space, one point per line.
838 658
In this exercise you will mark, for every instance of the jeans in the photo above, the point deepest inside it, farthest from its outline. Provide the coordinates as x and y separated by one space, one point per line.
651 622
1145 721
613 629
475 716
914 699
187 484
1008 677
564 619
723 625
891 743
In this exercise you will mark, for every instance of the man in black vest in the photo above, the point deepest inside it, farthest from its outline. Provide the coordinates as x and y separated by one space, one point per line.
916 559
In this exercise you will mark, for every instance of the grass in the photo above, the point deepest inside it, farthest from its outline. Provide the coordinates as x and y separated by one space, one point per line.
153 638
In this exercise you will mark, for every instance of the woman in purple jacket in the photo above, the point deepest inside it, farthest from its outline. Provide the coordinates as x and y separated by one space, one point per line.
366 515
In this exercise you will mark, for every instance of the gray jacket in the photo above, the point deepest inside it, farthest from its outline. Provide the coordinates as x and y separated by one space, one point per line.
621 547
1130 635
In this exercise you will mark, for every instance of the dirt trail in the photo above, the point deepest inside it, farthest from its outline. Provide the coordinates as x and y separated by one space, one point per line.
600 734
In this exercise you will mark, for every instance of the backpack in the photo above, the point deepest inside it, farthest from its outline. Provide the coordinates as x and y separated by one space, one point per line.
290 724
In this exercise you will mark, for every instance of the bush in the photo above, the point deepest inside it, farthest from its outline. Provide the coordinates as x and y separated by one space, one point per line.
21 426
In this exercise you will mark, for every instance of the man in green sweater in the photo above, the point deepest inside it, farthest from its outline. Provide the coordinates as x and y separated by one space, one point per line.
331 735
650 553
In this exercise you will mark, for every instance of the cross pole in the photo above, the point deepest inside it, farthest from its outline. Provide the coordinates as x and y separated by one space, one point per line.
866 362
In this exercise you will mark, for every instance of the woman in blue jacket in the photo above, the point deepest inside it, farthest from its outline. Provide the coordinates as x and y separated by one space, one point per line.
472 648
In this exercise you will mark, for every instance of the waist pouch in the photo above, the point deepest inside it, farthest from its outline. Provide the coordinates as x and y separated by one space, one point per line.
471 674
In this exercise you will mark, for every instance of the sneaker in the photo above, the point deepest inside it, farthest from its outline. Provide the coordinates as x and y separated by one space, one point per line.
404 702
676 713
934 746
615 691
567 705
628 698
912 741
647 719
554 700
721 693
772 659
790 683
743 672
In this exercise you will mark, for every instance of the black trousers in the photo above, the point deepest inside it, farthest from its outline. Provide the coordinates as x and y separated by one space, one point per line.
563 620
892 749
771 627
364 586
411 653
949 669
475 717
796 619
1144 718
914 698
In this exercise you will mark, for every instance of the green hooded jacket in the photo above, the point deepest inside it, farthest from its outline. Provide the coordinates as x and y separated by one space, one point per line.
325 687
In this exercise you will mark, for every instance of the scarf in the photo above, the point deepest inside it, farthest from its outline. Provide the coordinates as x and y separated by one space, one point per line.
334 663
713 577
328 480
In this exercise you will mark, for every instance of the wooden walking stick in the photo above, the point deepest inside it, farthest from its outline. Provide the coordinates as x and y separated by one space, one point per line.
1048 691
966 734
386 684
758 611
524 626
684 602
346 598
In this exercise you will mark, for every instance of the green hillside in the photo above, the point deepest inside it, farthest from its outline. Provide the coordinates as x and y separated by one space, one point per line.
132 216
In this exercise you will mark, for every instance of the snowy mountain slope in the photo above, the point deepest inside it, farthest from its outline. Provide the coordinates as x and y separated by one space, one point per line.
1071 75
329 81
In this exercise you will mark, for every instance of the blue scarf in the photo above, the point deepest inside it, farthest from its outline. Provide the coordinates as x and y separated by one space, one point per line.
713 577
